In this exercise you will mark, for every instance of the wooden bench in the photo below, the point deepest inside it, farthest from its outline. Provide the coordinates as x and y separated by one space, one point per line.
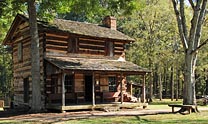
187 107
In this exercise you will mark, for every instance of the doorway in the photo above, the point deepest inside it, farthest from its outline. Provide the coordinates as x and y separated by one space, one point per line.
88 88
26 90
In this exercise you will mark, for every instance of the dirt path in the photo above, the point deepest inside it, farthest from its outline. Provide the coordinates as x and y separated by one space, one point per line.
58 117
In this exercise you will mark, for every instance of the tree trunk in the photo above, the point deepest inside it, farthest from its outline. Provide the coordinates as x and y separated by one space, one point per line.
172 84
177 84
206 80
35 70
161 87
189 97
155 84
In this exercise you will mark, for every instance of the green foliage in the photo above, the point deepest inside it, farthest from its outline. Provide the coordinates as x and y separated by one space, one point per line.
90 10
5 72
157 45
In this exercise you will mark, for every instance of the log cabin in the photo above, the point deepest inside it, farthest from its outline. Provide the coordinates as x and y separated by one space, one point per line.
82 65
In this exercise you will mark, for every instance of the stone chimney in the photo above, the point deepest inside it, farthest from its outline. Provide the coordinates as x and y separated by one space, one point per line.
110 22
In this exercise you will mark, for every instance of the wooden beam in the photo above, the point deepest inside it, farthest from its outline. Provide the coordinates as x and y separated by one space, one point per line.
63 89
143 90
93 88
121 88
131 92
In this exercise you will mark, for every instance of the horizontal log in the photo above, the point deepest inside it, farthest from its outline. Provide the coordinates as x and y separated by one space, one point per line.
56 48
95 47
119 43
56 51
56 35
91 40
56 38
52 42
119 48
81 50
23 25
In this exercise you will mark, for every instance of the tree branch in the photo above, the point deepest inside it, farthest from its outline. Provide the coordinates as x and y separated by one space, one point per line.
201 45
180 27
200 23
192 4
183 19
194 24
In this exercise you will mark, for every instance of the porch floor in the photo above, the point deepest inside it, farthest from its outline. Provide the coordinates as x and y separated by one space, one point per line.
89 106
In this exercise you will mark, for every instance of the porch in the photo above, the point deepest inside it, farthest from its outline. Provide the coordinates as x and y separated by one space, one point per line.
83 83
101 106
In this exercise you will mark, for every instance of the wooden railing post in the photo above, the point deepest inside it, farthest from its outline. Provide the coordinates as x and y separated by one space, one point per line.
93 89
121 88
63 89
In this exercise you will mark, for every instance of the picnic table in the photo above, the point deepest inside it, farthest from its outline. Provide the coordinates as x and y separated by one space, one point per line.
189 108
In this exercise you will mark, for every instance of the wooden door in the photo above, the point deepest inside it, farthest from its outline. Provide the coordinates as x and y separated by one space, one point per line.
88 88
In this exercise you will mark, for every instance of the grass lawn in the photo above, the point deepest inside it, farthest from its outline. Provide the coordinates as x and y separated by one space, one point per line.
198 118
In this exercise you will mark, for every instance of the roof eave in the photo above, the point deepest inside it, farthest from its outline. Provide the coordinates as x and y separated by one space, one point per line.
18 18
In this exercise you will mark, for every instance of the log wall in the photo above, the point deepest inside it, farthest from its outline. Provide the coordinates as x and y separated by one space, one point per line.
66 43
22 68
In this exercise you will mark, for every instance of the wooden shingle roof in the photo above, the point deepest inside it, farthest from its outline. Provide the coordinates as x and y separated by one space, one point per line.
86 64
72 27
87 29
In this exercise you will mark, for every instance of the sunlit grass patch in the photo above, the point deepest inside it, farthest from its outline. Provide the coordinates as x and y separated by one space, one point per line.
194 118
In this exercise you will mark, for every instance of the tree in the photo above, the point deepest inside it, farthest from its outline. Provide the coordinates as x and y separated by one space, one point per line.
85 10
154 31
191 42
35 56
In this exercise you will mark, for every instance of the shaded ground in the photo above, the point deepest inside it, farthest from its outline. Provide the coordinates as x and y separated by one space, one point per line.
57 117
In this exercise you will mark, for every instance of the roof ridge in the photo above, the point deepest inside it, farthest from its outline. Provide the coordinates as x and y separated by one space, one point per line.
85 22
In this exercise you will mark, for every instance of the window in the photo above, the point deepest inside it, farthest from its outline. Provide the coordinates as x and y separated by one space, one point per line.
19 50
69 81
112 84
72 45
110 49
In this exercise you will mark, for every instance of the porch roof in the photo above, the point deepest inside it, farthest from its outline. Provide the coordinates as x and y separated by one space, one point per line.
88 64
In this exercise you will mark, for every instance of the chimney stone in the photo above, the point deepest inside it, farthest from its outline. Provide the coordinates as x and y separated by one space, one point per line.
110 22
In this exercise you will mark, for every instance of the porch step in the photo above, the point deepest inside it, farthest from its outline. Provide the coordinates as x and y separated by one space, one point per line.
111 108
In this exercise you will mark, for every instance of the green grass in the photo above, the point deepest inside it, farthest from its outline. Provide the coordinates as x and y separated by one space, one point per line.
194 118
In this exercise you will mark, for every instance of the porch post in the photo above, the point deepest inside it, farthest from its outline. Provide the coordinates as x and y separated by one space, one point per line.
131 88
121 88
93 88
63 89
143 90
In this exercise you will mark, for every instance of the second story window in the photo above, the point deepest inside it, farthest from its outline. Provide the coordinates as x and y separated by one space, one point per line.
20 52
110 49
72 45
